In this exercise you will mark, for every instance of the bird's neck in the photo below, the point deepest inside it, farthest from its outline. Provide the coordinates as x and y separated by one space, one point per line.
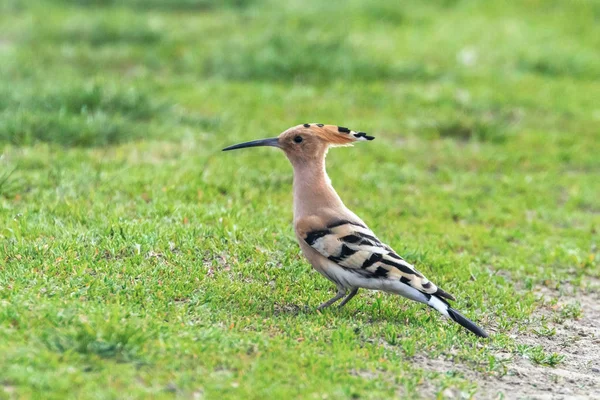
312 189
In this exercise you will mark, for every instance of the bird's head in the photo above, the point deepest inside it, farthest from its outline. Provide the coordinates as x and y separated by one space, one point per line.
303 143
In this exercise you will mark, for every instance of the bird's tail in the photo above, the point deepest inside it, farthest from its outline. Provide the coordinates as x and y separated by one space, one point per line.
444 308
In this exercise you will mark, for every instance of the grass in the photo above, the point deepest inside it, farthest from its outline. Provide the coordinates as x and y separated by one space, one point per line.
136 258
538 356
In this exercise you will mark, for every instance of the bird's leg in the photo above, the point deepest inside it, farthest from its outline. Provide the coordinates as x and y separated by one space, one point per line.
340 293
349 297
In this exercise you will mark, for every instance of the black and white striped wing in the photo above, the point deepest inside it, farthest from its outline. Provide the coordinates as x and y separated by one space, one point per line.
354 246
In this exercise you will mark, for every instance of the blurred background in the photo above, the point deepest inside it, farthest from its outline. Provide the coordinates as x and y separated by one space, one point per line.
120 215
134 70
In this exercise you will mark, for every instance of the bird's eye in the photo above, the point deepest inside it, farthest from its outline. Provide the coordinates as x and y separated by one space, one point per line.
298 139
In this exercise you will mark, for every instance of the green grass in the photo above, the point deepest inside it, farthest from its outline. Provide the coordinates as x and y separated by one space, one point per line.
136 258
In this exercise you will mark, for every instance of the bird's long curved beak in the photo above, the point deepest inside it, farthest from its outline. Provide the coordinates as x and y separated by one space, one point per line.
262 142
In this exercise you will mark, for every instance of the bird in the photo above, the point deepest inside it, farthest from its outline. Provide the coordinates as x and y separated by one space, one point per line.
336 242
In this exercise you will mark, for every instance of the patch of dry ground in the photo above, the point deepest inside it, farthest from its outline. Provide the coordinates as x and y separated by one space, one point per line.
577 376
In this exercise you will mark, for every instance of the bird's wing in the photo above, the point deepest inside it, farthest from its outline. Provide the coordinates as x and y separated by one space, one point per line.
353 246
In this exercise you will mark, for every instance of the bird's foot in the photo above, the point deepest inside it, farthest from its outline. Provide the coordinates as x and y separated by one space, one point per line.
341 293
352 293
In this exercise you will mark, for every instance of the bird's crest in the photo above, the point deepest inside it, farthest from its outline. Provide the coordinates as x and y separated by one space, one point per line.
337 135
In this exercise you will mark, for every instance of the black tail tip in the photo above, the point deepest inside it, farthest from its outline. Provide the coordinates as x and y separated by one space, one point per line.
466 322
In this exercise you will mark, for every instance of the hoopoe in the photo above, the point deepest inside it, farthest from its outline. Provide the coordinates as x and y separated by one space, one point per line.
335 241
